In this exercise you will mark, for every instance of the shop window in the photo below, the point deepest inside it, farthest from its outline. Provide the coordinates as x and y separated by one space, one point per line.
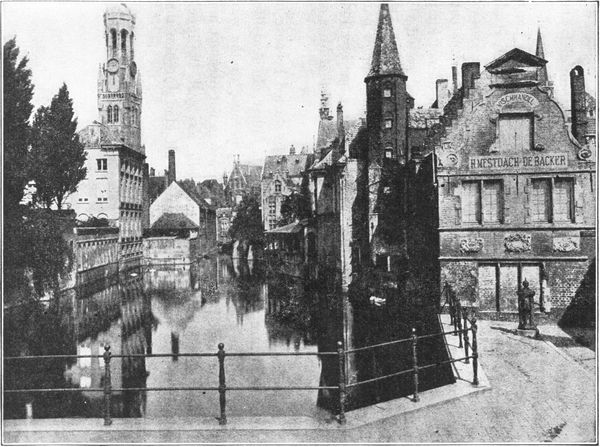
482 201
498 284
515 132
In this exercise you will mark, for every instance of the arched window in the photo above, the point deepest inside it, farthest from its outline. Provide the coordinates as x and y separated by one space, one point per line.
131 45
124 42
116 114
109 114
113 38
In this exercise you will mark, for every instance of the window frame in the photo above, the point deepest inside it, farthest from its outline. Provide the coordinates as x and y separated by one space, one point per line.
480 206
101 164
551 203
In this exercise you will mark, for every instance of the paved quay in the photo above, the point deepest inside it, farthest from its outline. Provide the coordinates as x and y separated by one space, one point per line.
540 390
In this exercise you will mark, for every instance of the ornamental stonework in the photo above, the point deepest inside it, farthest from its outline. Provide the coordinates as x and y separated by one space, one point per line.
472 245
517 242
565 244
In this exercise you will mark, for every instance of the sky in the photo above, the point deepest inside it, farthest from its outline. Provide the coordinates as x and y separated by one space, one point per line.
245 78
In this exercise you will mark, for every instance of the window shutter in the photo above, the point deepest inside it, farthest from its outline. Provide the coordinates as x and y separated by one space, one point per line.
577 193
506 201
527 210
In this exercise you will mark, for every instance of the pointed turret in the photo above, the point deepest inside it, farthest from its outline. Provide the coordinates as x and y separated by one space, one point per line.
386 60
539 52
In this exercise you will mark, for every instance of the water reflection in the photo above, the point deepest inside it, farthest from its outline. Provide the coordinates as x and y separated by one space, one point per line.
191 309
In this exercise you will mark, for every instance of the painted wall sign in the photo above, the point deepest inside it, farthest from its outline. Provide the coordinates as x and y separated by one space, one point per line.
512 98
533 161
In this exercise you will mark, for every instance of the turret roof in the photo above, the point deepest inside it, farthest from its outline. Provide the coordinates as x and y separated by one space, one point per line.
386 60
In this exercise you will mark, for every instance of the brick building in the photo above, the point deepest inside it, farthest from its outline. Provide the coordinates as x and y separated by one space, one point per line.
515 188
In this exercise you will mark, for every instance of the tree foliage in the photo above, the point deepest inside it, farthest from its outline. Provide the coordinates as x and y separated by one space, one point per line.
17 94
57 155
294 207
247 224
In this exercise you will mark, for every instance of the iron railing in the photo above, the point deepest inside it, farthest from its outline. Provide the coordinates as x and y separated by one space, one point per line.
221 355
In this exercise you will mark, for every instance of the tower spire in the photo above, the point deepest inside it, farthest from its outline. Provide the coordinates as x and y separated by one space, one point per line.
539 52
385 53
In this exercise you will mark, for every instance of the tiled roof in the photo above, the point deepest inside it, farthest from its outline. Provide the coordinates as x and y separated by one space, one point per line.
172 221
326 133
195 196
293 164
385 53
424 118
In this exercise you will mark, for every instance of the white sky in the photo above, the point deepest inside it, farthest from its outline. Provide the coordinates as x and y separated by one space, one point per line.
244 78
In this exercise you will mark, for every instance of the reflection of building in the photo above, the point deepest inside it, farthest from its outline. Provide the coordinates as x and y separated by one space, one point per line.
514 186
244 180
113 186
282 176
120 317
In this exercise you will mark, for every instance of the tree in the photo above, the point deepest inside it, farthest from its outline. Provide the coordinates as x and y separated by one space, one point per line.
294 207
57 155
247 224
18 91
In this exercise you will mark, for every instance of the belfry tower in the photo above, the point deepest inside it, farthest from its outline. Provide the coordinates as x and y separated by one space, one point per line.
119 81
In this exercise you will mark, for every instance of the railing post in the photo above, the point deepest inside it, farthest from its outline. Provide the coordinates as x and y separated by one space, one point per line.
341 381
466 335
107 386
222 387
475 353
415 366
460 328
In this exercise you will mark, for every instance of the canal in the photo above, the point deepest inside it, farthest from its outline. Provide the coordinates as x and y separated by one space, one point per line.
172 310
191 309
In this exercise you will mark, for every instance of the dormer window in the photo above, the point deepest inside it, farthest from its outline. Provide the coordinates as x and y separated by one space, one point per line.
515 132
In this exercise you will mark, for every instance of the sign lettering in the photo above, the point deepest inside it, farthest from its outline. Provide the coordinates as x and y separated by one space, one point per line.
517 97
533 161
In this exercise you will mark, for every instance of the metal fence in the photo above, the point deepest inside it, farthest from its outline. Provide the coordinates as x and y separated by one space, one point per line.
469 324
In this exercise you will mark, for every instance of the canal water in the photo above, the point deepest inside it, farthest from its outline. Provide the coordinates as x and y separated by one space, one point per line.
173 310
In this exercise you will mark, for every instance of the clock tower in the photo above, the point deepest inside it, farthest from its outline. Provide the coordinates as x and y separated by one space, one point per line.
119 82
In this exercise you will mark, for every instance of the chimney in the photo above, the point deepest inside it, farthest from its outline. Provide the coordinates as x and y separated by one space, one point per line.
340 121
172 176
292 150
470 72
578 112
441 93
152 172
454 80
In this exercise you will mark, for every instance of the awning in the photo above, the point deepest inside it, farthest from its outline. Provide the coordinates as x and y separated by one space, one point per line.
295 227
